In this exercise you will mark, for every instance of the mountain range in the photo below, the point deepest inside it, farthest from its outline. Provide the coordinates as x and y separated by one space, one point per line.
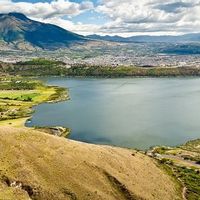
20 32
193 37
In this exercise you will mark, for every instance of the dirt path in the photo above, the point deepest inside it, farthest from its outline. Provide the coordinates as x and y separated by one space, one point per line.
184 193
180 160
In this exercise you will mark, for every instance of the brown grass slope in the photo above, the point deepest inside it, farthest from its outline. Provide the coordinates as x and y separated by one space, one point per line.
39 166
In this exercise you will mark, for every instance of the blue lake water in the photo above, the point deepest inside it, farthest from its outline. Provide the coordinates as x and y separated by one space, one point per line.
130 112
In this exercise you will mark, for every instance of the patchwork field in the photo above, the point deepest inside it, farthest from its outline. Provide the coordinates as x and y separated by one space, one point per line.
18 96
184 162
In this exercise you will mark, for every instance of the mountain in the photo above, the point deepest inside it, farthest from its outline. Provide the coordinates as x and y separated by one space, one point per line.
19 32
194 37
17 29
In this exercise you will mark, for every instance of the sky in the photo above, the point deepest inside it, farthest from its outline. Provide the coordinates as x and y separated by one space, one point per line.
113 17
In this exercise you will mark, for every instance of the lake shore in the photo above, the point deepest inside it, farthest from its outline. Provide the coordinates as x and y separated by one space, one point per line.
57 169
43 67
13 130
50 94
16 106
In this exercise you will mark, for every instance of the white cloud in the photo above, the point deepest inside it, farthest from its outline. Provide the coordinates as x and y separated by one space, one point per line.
52 12
153 16
46 10
80 28
125 17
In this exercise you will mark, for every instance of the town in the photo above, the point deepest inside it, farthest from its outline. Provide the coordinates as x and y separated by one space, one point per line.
137 54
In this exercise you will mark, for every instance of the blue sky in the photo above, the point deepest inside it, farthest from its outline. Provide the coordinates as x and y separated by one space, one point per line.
86 17
36 1
113 17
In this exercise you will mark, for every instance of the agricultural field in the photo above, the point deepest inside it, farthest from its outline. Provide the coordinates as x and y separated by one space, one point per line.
184 162
18 96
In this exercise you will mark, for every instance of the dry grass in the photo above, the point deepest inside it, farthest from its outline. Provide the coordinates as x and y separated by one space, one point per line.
49 167
18 123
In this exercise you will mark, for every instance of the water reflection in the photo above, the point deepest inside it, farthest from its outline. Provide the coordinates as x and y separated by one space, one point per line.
139 112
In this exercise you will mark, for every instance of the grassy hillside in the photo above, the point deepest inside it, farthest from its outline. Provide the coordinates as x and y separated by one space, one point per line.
35 165
184 162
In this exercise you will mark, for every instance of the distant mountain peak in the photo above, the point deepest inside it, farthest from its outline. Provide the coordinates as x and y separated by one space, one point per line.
18 15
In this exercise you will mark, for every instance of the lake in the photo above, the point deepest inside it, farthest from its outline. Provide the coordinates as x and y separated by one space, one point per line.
129 112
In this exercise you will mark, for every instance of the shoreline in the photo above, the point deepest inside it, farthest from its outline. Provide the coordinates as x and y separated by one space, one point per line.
59 94
166 163
123 171
45 67
52 94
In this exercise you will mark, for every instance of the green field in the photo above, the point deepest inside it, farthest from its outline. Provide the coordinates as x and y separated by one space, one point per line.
184 161
18 96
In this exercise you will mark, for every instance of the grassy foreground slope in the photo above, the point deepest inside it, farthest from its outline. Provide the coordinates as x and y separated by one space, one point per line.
35 165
